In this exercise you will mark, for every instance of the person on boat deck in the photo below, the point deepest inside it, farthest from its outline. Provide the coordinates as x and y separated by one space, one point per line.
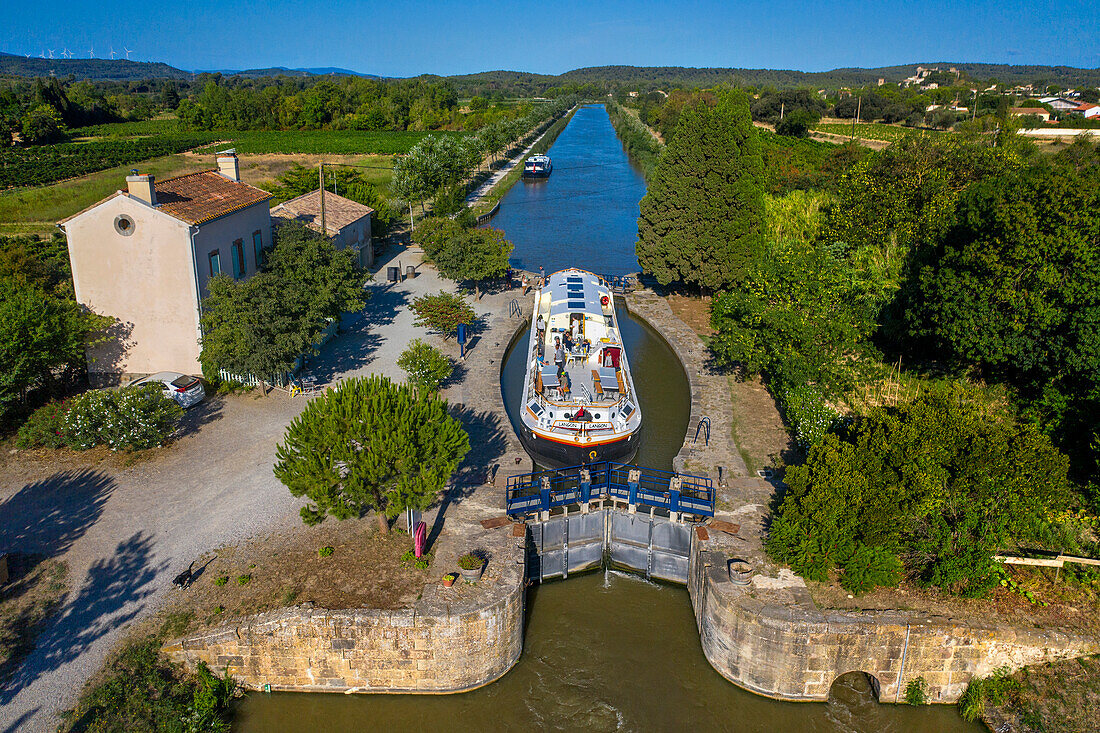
576 330
540 324
559 355
568 341
563 378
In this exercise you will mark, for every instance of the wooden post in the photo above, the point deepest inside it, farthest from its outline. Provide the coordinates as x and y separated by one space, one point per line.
321 177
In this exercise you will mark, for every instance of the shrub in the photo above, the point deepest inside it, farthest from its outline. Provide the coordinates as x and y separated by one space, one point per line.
868 567
994 690
132 418
43 429
807 413
426 365
442 312
325 551
470 561
221 580
916 692
420 563
243 579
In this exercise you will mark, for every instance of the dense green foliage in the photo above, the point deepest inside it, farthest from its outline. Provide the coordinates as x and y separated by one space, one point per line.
131 418
994 689
142 690
443 312
908 191
1014 288
639 142
370 445
777 107
260 326
427 366
936 486
36 166
324 142
792 163
468 255
702 217
45 427
43 336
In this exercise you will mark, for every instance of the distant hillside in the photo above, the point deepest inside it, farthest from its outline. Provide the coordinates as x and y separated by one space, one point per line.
284 71
95 69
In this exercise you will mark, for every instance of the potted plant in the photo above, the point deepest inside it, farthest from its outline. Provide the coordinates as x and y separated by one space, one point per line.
471 566
449 579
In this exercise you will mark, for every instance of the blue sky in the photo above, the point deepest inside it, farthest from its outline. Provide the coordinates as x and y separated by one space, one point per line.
404 38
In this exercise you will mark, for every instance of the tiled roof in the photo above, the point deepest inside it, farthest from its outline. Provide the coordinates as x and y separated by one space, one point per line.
199 197
339 211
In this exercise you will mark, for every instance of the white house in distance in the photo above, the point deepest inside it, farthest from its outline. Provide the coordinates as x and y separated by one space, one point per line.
347 222
1088 111
145 255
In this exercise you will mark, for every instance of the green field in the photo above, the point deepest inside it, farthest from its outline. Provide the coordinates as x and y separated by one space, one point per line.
871 130
320 142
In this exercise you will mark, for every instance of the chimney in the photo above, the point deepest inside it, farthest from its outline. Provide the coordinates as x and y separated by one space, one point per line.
140 186
229 166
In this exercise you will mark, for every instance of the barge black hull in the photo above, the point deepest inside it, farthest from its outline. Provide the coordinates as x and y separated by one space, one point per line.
553 454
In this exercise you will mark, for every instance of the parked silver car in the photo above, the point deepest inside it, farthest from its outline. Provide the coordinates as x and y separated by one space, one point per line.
185 390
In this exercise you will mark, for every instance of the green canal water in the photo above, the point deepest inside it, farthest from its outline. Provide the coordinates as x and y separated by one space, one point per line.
605 651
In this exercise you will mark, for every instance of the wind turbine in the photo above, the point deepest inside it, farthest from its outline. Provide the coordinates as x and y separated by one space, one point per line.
113 54
51 52
67 53
128 52
91 51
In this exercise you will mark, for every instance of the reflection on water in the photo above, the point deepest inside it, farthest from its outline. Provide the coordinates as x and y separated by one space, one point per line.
586 213
603 652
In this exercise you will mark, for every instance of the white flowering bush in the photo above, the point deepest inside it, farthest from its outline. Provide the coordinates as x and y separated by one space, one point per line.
132 418
808 414
427 366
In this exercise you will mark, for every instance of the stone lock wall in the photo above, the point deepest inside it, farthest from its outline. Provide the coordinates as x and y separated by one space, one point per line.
435 646
796 652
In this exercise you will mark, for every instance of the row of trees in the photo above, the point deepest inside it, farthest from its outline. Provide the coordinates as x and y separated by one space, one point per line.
43 111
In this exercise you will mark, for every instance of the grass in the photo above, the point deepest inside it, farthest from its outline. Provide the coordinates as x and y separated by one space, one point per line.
871 130
38 209
320 142
35 589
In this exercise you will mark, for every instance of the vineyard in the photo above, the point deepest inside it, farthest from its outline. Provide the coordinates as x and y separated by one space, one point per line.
319 142
40 165
870 130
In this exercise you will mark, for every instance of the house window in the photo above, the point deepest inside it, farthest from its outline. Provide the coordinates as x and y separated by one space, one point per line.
215 263
258 245
239 262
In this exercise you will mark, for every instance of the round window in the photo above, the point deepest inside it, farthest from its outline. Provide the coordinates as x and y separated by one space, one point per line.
124 225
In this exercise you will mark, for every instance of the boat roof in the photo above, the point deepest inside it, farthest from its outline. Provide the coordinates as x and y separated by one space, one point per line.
539 157
575 291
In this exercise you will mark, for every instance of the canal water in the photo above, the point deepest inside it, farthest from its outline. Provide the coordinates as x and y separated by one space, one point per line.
586 213
604 651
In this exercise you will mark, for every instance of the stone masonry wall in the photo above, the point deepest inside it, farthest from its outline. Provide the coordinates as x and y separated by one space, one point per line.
796 652
452 639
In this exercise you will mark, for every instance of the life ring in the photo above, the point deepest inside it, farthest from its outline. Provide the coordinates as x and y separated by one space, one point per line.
604 300
592 455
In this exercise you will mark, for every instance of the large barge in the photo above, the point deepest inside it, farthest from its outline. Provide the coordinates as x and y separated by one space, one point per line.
538 166
579 404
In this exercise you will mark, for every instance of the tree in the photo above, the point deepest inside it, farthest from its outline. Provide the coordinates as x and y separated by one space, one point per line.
936 486
442 312
427 366
702 218
42 125
370 445
797 123
1014 288
42 337
464 254
262 325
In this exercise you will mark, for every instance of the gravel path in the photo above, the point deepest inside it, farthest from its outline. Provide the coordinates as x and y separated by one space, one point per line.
126 532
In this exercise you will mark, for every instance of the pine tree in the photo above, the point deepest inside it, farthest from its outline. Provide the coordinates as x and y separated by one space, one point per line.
702 219
370 445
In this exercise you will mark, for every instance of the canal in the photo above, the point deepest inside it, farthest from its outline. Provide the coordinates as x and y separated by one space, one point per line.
603 651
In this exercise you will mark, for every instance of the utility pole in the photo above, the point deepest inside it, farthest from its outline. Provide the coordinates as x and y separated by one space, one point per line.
321 176
782 108
859 106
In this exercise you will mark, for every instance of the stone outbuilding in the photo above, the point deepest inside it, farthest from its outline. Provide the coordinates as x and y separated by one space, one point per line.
347 223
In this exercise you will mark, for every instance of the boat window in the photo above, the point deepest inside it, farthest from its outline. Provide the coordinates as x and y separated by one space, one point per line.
535 407
628 410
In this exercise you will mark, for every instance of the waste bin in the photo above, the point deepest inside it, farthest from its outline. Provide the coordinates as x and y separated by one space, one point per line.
392 274
410 271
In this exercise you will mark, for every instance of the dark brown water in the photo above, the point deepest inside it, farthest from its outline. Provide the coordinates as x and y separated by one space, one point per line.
603 651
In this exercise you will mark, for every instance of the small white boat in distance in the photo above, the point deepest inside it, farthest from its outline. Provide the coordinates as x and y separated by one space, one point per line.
537 166
579 404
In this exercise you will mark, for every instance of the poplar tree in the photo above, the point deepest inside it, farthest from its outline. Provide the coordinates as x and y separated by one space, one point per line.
702 219
370 445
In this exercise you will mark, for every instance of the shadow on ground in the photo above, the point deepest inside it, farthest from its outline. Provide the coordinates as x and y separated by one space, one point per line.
112 595
358 341
47 516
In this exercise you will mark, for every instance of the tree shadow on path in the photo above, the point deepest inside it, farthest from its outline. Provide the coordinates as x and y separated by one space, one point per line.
111 596
47 516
